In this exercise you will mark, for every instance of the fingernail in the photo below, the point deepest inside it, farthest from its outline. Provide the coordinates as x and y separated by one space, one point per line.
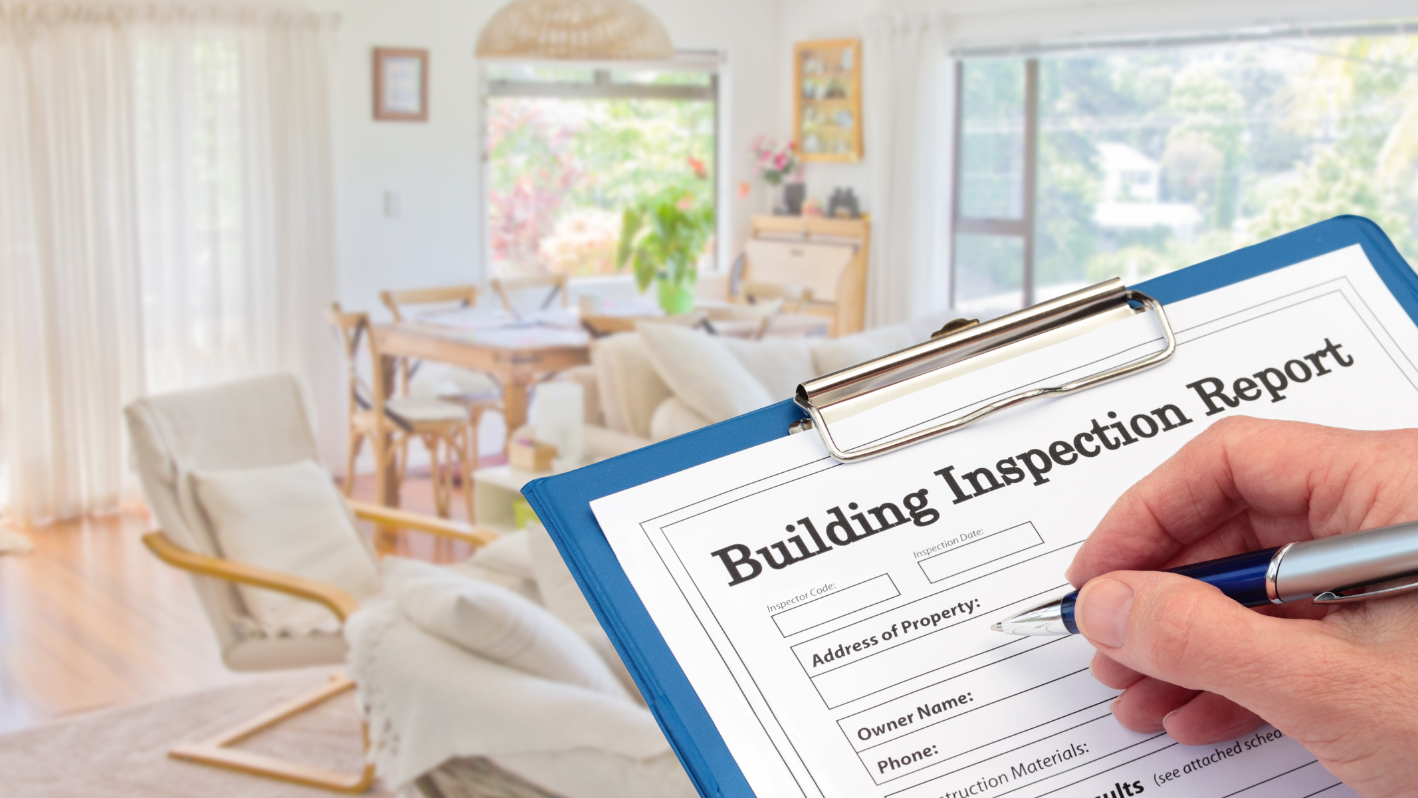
1113 707
1166 718
1103 612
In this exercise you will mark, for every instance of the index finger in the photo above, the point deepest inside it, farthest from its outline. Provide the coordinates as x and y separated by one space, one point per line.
1273 467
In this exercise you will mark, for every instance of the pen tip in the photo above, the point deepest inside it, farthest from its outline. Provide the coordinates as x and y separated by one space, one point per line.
998 627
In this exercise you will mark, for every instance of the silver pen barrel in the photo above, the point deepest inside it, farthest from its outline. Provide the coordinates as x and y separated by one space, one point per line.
1314 567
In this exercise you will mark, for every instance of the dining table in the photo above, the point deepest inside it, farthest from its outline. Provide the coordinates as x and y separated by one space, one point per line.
521 349
517 351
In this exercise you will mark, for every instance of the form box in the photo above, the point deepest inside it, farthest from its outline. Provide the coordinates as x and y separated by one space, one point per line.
946 650
969 555
836 605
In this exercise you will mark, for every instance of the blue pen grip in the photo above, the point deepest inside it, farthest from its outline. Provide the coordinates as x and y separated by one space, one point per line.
1242 577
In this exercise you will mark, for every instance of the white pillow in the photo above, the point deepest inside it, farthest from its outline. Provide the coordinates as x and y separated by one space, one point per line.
564 599
508 554
702 372
838 353
780 364
504 562
674 418
630 387
289 519
496 624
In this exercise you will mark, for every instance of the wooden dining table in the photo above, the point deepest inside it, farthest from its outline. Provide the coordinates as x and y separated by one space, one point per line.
519 356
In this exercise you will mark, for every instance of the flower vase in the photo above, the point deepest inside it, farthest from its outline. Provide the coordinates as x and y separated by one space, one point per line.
772 196
676 299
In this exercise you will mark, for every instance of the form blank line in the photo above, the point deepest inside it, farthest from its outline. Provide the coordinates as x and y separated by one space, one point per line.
1002 753
985 705
1276 776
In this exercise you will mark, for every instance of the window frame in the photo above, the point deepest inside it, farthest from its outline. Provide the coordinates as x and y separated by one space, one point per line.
1023 227
602 87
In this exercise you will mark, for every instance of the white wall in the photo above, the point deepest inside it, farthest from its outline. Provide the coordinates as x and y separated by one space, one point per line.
996 22
808 20
435 167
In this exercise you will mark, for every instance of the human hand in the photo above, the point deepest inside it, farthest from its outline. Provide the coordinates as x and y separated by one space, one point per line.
1342 681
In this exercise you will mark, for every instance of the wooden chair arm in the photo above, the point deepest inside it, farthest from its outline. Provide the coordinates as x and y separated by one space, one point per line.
337 600
402 519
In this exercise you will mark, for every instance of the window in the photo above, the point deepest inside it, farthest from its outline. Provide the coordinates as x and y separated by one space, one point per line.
570 148
1073 167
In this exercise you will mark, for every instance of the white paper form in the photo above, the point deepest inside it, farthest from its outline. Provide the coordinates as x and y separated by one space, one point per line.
834 619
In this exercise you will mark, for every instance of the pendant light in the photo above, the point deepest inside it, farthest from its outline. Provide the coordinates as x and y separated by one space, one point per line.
575 30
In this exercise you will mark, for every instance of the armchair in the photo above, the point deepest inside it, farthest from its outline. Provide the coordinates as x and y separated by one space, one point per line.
252 424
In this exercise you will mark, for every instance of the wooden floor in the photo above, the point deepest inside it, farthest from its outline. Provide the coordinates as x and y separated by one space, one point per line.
92 620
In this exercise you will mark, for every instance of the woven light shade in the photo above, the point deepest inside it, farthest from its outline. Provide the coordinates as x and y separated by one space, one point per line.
576 30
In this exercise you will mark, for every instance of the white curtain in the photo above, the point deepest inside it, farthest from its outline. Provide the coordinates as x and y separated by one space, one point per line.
908 106
165 223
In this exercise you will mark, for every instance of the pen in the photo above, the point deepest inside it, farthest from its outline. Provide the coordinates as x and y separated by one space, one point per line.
1327 570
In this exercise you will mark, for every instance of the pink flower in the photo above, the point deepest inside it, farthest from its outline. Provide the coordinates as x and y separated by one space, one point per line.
780 160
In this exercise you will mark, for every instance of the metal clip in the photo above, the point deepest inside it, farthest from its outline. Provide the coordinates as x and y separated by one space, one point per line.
1342 596
962 340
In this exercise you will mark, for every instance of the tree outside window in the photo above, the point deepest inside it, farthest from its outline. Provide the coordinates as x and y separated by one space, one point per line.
569 150
1150 160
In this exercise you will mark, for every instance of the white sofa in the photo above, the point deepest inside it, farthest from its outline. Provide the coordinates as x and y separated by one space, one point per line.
664 381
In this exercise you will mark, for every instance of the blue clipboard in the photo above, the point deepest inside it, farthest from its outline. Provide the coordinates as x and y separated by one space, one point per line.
562 502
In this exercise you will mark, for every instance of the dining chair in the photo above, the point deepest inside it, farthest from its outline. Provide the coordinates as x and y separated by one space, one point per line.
787 308
794 297
244 428
391 421
477 391
742 320
555 285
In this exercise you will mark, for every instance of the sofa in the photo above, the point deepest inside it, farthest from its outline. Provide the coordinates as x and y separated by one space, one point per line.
665 380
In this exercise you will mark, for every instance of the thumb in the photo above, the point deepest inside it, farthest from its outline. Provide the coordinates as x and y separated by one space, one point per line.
1188 633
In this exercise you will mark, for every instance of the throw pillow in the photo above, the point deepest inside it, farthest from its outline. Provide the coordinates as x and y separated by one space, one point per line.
780 364
495 623
289 519
564 599
674 418
630 387
839 353
702 372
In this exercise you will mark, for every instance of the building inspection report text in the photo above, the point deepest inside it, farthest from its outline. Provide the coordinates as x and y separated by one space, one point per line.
834 619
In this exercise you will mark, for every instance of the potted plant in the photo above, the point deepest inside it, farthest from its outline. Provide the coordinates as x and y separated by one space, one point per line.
663 236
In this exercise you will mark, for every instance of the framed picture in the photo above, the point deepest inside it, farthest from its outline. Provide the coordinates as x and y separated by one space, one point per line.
827 99
400 84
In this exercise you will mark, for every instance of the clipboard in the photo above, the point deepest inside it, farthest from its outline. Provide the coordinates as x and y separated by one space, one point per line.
562 502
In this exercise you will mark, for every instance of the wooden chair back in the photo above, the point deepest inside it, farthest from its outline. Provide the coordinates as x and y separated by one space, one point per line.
461 295
555 284
793 297
355 332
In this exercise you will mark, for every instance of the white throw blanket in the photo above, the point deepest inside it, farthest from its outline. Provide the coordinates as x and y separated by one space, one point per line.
429 701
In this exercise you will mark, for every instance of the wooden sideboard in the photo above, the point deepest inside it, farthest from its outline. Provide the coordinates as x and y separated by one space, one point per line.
828 257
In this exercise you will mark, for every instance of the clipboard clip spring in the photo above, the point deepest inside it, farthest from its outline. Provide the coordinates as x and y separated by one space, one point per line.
964 339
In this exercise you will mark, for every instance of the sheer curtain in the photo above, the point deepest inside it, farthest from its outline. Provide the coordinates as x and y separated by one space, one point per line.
165 222
907 112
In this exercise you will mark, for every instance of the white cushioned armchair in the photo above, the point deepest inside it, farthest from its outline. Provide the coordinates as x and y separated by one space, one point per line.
488 679
243 427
